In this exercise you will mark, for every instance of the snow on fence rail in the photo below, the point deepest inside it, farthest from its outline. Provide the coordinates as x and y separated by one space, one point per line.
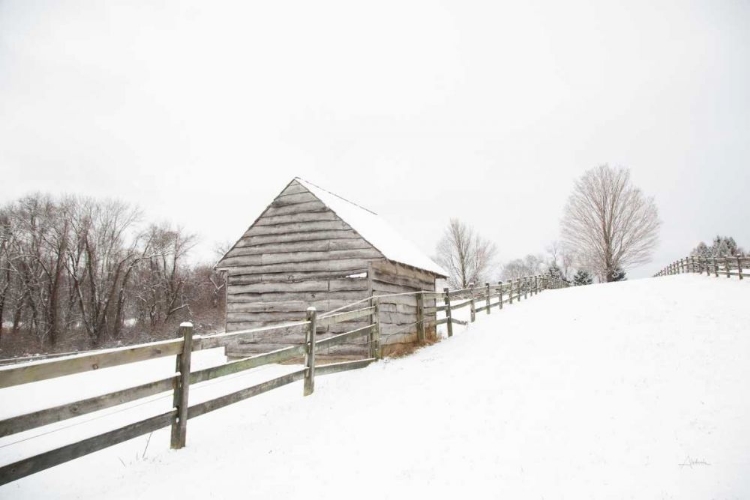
718 266
488 297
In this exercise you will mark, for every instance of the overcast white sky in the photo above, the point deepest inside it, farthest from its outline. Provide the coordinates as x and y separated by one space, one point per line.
200 112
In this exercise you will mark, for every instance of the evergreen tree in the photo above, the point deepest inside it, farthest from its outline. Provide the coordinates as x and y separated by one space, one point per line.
701 251
725 246
618 275
721 247
582 277
555 272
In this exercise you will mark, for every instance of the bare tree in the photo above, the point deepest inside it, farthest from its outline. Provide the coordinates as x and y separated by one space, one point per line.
528 266
608 223
161 276
466 256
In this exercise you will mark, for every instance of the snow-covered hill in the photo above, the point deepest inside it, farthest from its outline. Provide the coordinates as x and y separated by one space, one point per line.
628 390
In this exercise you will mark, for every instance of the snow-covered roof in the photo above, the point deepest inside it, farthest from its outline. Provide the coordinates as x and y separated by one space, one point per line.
375 230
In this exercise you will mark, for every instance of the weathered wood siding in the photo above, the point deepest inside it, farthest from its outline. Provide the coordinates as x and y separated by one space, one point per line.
398 314
297 254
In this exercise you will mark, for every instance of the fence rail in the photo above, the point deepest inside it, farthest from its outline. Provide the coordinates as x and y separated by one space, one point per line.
717 266
478 299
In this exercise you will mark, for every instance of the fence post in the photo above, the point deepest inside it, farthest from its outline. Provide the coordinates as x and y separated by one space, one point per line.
182 387
448 311
536 285
716 268
375 330
500 284
510 291
708 268
525 287
739 266
472 305
726 266
420 317
312 317
489 295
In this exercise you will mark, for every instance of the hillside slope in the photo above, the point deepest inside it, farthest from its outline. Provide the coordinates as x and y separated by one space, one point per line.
626 390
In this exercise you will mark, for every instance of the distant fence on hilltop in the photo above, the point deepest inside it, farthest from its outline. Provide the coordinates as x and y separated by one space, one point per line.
718 266
477 299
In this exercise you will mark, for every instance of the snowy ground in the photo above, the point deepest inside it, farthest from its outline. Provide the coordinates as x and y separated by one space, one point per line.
627 390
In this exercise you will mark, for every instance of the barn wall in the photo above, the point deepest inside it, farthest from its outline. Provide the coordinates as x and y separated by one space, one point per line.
297 254
396 313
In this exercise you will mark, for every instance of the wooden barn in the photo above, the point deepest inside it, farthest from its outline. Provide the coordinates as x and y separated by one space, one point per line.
311 247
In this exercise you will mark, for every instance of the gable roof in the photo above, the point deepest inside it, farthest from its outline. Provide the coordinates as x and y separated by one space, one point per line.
369 226
375 230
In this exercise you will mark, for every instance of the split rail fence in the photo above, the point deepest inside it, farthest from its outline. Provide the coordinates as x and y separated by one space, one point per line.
717 266
477 299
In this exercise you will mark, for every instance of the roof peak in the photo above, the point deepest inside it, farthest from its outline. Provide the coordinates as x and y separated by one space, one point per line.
304 181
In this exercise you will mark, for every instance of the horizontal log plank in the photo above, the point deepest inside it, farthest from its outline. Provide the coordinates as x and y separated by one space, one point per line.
383 288
321 306
293 199
397 318
270 220
426 283
236 397
343 234
399 308
242 351
349 297
353 265
401 270
397 297
301 286
59 413
387 330
246 364
442 321
322 256
460 305
300 227
345 316
322 245
485 307
308 206
287 277
343 366
266 318
344 338
43 370
203 341
38 463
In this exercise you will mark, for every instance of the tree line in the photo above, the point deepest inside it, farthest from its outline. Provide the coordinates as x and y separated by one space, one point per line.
87 273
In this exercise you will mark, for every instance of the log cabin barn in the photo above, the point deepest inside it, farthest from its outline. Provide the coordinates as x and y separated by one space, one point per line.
311 247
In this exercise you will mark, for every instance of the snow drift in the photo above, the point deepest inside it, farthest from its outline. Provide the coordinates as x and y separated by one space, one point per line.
625 390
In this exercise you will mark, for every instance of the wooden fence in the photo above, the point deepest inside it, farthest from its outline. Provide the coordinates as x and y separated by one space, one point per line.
477 299
716 266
